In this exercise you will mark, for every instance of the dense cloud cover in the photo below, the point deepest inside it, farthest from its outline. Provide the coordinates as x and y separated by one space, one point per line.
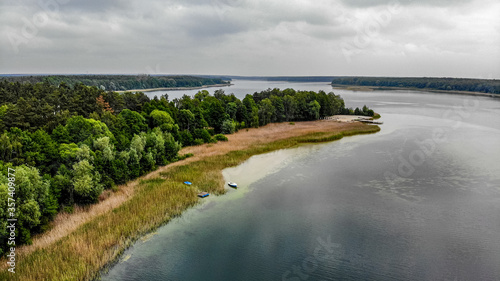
243 37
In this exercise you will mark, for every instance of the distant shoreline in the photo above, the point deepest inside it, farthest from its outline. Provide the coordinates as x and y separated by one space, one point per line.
176 88
385 88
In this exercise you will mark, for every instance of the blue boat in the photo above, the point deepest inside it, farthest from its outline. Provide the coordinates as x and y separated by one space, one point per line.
203 194
188 182
232 184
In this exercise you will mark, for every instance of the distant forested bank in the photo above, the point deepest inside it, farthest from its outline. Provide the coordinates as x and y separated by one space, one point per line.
489 86
302 79
65 145
120 82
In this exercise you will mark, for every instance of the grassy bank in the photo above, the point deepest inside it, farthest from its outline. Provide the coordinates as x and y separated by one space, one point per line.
81 254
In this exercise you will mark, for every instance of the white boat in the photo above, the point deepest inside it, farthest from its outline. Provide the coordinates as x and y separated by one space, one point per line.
232 184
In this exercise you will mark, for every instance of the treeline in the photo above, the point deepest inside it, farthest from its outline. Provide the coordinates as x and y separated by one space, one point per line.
68 144
284 78
491 86
120 82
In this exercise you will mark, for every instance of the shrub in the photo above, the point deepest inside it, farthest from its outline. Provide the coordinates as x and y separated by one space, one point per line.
202 134
198 142
182 157
220 137
186 138
68 209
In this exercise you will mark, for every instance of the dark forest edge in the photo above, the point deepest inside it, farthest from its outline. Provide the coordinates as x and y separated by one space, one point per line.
487 86
120 82
67 144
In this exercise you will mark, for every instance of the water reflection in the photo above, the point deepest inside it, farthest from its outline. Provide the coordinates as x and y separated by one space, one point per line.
436 221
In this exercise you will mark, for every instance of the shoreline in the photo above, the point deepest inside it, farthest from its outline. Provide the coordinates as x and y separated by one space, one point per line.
106 229
384 88
175 88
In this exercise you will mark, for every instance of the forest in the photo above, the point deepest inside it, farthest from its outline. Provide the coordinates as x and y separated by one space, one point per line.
67 144
303 79
120 82
490 86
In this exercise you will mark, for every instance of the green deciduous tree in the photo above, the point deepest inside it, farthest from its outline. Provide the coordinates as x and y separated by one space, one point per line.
266 111
32 199
290 106
86 182
214 112
81 129
161 119
60 134
228 126
186 119
104 144
313 110
252 111
131 123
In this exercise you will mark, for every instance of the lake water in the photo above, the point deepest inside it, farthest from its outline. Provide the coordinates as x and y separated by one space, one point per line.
243 87
420 200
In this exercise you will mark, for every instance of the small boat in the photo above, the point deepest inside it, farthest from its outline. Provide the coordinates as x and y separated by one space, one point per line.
232 184
188 182
203 194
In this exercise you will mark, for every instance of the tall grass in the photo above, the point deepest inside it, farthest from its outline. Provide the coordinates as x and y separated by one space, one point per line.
96 244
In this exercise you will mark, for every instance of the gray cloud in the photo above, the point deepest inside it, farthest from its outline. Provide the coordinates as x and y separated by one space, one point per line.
417 38
371 3
95 6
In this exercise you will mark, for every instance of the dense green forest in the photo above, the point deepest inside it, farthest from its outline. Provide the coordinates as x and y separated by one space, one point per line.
68 144
490 86
120 82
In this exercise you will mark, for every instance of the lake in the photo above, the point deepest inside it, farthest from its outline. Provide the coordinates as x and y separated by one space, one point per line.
243 87
420 200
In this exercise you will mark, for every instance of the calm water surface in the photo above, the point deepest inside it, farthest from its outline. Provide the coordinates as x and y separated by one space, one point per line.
419 200
244 87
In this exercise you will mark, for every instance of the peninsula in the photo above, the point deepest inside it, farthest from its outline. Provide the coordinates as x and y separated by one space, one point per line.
81 244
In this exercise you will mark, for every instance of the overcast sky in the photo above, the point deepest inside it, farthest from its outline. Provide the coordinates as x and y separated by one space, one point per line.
445 38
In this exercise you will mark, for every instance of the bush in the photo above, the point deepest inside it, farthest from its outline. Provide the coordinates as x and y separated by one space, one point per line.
68 209
182 157
220 137
198 142
186 138
202 134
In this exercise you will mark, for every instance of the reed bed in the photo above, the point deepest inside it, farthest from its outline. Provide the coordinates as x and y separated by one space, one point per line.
95 245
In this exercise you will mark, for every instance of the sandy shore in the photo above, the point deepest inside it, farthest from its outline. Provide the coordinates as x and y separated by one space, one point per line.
65 224
349 118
